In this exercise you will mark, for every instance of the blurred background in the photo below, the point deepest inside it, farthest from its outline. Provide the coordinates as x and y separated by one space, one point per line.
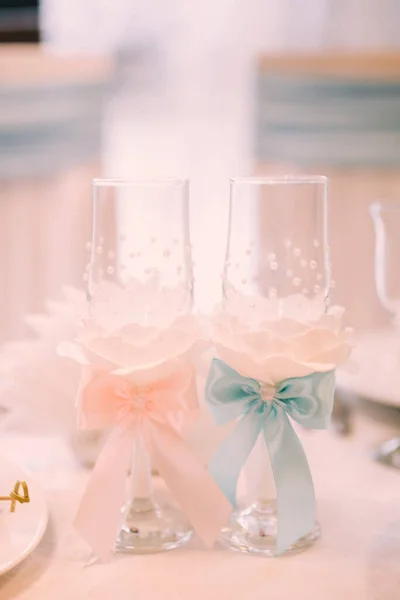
148 88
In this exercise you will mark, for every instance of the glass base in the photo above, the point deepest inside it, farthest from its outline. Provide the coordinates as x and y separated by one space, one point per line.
149 528
254 530
389 453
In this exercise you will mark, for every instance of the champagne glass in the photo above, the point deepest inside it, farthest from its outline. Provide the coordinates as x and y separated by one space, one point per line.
277 246
277 269
139 279
386 219
140 263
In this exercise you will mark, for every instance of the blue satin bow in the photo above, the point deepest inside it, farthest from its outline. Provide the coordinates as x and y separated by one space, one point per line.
262 408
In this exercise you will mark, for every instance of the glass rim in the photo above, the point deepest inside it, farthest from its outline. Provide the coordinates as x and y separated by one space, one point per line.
280 179
115 182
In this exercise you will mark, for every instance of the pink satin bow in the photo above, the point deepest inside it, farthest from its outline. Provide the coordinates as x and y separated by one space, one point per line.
108 400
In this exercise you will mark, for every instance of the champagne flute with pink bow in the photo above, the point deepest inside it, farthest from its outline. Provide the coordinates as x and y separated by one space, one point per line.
139 283
137 345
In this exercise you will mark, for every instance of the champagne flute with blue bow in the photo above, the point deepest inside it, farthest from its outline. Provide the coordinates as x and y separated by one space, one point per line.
275 285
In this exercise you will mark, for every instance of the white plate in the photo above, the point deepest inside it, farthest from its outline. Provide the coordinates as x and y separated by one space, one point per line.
22 530
376 360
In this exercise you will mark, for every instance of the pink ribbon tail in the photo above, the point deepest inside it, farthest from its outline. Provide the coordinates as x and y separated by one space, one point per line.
188 480
99 512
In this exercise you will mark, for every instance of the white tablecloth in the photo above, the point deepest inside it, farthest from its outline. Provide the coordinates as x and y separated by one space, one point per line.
357 557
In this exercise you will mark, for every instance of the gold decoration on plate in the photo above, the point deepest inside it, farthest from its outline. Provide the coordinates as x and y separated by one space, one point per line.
15 495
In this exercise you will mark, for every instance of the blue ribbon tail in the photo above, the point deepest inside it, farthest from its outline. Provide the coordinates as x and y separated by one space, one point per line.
293 482
229 458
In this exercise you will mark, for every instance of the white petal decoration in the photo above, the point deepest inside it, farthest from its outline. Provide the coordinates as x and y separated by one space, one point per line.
268 349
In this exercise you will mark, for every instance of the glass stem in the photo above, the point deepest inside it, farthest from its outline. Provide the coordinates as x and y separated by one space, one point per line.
266 486
140 485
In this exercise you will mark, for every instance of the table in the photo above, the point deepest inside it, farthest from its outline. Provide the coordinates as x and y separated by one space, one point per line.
357 557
